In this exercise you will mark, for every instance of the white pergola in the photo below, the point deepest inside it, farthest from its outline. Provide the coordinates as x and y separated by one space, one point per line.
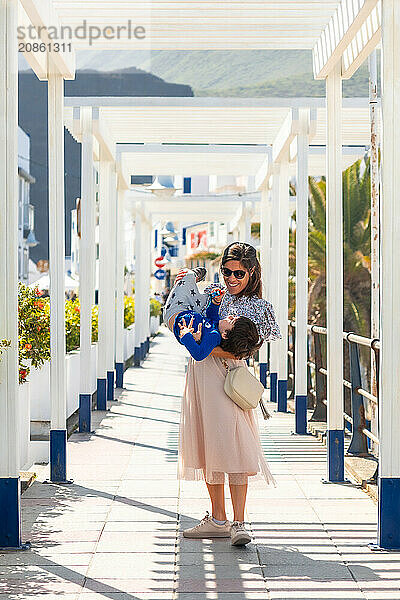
340 34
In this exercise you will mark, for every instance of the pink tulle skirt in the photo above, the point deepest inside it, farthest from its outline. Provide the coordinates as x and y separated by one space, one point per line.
218 440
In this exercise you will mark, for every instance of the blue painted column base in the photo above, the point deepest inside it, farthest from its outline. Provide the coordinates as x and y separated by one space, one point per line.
10 511
301 414
101 394
282 395
263 373
147 345
110 386
335 454
58 455
273 387
119 375
85 413
136 357
389 513
142 350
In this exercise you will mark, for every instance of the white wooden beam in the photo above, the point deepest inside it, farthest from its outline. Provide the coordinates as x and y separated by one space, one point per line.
87 262
9 454
366 40
280 147
120 279
58 431
334 276
36 60
300 382
338 34
10 529
389 415
283 293
103 135
43 17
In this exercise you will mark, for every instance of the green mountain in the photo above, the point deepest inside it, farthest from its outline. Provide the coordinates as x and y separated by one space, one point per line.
228 72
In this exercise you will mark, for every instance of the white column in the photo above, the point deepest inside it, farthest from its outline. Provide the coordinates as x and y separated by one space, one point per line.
10 529
274 281
104 252
334 275
242 227
283 282
111 270
139 226
247 228
300 384
86 269
389 414
57 276
120 280
265 251
147 266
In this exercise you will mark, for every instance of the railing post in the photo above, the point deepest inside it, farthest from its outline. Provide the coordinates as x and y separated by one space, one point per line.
310 397
359 444
320 413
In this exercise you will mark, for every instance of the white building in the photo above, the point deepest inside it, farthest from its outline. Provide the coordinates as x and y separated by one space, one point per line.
26 212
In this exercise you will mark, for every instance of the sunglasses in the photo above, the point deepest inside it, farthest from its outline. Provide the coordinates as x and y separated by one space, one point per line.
238 273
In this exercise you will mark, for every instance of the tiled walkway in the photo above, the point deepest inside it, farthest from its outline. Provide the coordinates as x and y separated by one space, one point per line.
115 533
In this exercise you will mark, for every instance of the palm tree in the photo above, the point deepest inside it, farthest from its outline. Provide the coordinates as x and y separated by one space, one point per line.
356 249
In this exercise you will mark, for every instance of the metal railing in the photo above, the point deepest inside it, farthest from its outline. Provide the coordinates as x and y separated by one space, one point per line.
356 396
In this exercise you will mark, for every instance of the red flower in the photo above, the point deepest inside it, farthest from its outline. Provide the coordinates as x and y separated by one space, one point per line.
39 304
22 372
77 309
38 328
28 346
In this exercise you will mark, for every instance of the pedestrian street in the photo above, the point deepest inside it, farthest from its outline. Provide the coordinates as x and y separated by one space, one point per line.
115 533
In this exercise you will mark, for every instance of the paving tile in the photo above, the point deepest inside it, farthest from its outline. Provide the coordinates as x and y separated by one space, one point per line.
116 533
234 556
136 542
130 566
88 595
131 586
317 571
245 595
221 585
35 558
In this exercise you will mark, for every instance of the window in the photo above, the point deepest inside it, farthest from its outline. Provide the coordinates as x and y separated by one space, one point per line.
187 185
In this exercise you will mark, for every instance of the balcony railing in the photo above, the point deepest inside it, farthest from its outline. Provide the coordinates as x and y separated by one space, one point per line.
357 388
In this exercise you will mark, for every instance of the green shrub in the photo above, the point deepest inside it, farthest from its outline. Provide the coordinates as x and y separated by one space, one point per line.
33 330
72 324
155 307
129 311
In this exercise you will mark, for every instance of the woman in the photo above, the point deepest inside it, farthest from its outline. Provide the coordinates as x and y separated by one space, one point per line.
217 438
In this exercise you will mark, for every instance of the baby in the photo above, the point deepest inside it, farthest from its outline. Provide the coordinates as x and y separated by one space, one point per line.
199 333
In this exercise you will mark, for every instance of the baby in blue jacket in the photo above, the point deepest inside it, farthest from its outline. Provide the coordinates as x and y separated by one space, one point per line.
194 319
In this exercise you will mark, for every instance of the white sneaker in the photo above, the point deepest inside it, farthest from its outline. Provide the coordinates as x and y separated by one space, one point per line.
208 528
239 535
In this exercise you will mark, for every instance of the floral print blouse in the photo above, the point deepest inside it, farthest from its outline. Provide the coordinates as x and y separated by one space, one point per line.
258 310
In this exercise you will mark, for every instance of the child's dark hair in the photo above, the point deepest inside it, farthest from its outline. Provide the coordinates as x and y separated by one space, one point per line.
243 339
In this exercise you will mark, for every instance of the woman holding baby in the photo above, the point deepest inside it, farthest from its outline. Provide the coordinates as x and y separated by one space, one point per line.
219 440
